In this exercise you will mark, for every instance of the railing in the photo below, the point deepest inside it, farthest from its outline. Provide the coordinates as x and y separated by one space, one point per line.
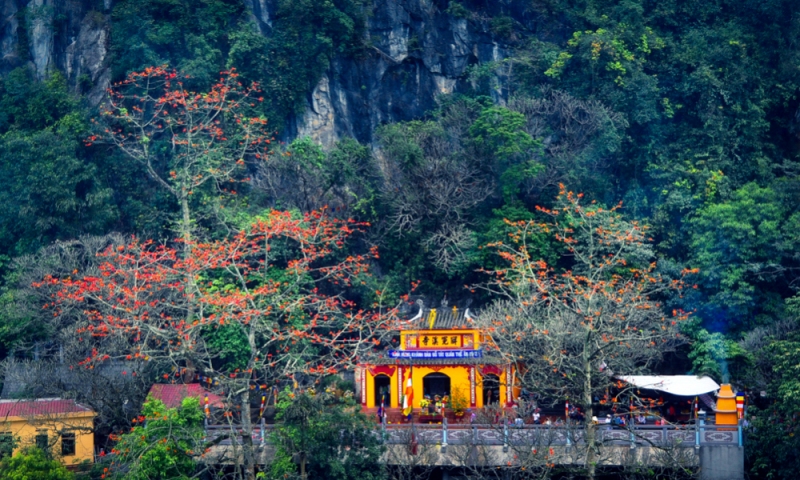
546 435
525 435
224 434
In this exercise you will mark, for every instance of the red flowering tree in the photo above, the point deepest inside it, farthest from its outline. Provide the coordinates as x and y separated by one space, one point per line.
571 326
193 144
269 303
187 141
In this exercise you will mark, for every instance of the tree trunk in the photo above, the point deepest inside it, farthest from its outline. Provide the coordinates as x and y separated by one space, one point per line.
591 428
248 455
250 459
186 235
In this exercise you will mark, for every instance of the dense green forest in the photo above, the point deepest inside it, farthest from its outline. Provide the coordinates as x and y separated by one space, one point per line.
684 113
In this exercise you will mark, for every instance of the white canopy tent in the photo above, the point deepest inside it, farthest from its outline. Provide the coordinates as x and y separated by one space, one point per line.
683 385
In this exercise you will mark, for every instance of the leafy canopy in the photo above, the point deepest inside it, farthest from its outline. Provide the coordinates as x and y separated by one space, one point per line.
31 464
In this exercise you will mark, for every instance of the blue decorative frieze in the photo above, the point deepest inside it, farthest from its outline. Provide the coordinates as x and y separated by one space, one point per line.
436 354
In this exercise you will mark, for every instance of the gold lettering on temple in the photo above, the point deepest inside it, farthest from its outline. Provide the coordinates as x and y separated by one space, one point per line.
447 340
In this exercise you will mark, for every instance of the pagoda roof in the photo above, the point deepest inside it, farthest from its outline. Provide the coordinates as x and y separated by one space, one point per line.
440 318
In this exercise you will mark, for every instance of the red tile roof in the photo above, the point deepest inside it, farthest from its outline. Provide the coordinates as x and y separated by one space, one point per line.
173 395
41 406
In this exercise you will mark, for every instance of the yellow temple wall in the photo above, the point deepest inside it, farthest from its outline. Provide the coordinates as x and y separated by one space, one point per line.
370 389
479 389
459 378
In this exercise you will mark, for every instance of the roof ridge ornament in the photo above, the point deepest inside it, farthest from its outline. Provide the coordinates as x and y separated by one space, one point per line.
419 314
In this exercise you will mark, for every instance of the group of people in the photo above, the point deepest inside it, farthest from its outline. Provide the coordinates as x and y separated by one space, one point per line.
622 420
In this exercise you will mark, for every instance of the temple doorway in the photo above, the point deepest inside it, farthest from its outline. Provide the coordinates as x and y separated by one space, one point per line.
383 388
436 384
491 389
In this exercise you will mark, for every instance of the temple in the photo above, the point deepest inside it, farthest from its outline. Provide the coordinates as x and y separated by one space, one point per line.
444 355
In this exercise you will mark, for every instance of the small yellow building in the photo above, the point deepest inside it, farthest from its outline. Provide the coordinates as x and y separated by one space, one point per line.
62 426
443 356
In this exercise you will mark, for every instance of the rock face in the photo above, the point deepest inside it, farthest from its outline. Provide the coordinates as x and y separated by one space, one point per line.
417 51
67 35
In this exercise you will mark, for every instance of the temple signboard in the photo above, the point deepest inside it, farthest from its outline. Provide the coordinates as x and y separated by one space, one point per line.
438 340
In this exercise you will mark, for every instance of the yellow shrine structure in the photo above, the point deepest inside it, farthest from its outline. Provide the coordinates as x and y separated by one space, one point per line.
443 354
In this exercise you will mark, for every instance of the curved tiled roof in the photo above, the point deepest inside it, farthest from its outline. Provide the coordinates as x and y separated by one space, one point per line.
41 406
440 318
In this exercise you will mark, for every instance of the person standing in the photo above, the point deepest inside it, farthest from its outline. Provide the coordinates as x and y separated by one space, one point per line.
671 414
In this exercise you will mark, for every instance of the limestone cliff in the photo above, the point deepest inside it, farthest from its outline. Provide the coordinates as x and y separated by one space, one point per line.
67 35
414 51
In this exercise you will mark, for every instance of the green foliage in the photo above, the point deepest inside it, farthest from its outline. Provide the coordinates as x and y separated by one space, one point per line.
18 325
28 105
323 436
458 10
502 26
31 464
740 244
198 37
502 131
164 446
49 194
229 346
712 353
404 141
192 36
774 436
498 229
51 191
612 51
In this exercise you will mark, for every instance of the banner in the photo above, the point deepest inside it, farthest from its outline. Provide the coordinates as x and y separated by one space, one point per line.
449 354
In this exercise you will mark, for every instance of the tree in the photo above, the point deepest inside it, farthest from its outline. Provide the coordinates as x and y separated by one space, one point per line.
164 444
192 36
33 463
193 145
744 247
277 287
50 193
324 436
774 434
571 326
305 177
187 141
